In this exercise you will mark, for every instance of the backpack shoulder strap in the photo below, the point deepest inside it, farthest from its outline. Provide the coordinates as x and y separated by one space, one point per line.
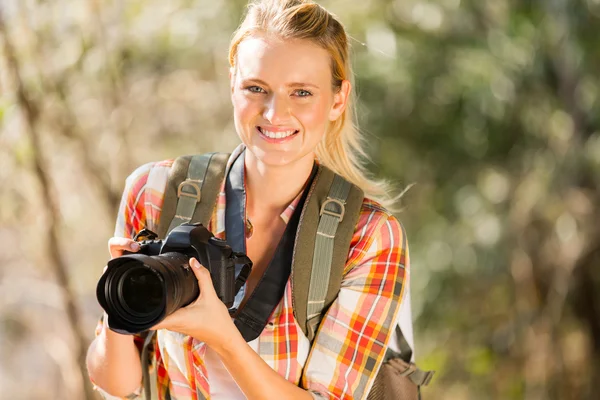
324 234
191 190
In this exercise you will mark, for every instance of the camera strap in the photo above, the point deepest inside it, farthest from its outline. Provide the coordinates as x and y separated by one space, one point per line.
254 315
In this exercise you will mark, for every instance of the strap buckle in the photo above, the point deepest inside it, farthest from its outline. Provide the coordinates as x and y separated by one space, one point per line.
145 234
339 215
193 185
427 378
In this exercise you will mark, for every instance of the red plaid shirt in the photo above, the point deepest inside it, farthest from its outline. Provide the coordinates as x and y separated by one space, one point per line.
351 341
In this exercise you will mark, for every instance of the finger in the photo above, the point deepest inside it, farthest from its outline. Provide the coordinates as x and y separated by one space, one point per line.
172 321
117 245
204 278
164 324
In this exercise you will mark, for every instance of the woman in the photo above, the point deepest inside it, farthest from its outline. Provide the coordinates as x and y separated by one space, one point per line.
290 88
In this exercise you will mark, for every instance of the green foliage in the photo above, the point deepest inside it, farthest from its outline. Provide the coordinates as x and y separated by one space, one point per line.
491 107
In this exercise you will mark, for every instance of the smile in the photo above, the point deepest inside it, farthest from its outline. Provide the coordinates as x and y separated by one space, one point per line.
279 135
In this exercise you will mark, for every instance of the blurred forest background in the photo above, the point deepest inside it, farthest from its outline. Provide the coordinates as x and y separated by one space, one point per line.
491 107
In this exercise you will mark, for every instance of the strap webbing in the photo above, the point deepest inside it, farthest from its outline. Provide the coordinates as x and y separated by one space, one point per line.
253 316
189 191
208 171
416 375
146 364
332 213
405 350
316 206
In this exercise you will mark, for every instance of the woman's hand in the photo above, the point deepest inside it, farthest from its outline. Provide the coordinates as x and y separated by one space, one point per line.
117 245
206 319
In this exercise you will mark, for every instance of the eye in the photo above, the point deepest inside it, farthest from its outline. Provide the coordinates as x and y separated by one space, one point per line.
255 89
303 93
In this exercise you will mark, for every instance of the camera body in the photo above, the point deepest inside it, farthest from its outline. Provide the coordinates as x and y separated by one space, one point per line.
194 240
138 290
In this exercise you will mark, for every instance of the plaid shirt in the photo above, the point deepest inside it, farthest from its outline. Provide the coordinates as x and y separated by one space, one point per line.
351 341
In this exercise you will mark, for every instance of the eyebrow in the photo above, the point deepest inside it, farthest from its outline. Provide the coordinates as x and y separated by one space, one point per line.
291 84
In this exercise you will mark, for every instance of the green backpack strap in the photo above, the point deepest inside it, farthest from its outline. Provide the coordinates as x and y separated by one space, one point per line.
191 191
325 231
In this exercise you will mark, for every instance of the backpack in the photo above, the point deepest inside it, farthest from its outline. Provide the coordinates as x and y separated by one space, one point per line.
322 241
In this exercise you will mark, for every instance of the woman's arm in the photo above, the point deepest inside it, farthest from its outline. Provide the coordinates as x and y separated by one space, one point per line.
113 363
254 376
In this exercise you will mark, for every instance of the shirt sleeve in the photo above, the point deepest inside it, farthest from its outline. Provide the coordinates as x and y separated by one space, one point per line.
132 211
353 336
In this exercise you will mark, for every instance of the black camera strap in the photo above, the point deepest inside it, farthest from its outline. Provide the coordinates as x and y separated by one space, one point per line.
254 315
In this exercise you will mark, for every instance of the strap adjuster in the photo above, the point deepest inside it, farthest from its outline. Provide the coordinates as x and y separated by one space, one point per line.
410 369
193 185
339 215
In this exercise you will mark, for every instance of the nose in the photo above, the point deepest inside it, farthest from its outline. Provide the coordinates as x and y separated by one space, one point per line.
276 110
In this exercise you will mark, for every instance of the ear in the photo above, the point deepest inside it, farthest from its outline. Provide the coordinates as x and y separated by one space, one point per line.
340 100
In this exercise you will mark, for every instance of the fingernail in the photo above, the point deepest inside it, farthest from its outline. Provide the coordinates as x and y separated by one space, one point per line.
194 263
134 246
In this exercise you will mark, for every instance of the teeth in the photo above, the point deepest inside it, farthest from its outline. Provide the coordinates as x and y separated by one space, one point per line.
277 135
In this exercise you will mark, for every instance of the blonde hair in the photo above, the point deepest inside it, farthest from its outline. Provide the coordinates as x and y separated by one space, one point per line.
342 148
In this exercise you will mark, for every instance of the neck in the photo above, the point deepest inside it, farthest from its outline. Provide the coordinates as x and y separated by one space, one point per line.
270 189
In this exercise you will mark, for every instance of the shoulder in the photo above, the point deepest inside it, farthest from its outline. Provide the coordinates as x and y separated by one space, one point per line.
138 196
378 235
141 173
146 184
146 174
373 217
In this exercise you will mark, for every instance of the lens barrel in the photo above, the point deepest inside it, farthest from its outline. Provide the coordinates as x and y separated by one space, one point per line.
138 291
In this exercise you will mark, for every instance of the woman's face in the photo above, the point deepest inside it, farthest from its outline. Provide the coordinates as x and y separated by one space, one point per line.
283 98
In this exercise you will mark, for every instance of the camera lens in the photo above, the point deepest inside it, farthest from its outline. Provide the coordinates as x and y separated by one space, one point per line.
138 291
141 290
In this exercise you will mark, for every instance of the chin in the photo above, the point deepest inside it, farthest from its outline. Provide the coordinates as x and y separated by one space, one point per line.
273 158
277 158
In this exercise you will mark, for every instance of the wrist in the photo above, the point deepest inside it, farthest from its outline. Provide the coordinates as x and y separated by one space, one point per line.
115 339
229 344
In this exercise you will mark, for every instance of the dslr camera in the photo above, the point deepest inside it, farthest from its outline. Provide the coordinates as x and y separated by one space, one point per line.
138 290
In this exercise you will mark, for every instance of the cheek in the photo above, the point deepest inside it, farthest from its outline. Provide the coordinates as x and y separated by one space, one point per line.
243 108
314 116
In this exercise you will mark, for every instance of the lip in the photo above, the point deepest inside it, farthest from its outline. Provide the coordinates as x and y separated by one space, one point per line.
275 128
271 140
